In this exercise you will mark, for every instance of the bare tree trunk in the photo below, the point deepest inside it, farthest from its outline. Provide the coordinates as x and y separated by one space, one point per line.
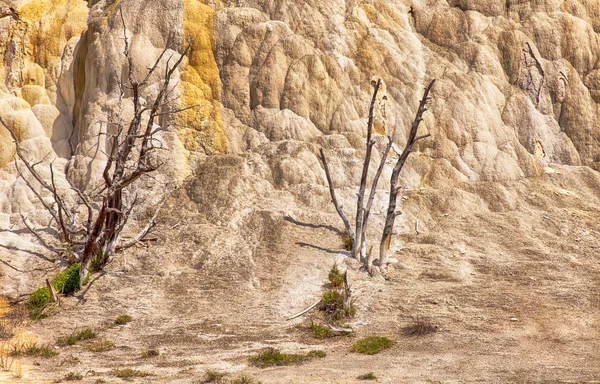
347 293
394 188
356 249
370 261
367 209
338 208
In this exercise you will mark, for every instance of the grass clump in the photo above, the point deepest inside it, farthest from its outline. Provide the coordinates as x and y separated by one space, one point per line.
71 360
128 373
75 336
150 353
214 376
67 281
346 241
367 376
33 350
101 346
320 331
72 376
272 357
244 379
123 319
332 303
372 345
37 302
420 327
336 278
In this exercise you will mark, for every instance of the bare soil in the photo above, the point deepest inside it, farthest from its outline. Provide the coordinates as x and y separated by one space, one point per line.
514 288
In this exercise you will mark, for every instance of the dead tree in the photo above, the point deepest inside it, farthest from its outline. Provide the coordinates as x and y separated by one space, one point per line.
131 155
358 236
394 188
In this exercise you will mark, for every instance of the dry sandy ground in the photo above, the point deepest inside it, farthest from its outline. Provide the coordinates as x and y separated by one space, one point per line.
471 271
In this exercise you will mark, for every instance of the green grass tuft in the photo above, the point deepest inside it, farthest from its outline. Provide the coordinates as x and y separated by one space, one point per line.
128 373
346 241
67 281
123 319
214 376
75 336
101 346
367 376
33 350
272 357
72 376
372 345
336 278
321 331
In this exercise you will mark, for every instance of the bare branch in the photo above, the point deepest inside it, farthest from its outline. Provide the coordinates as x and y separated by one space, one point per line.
394 189
146 230
338 208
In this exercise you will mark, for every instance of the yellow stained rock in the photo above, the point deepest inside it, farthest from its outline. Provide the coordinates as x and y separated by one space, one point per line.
200 83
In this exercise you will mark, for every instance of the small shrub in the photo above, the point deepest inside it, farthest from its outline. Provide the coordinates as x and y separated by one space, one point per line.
37 302
72 376
67 281
101 346
128 373
272 357
98 262
32 349
39 298
150 353
367 376
420 327
99 381
372 345
336 278
346 241
332 303
75 336
214 376
123 319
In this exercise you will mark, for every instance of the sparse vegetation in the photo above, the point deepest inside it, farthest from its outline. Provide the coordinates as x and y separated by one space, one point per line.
128 373
75 336
72 376
372 345
32 350
37 301
320 331
101 346
336 278
214 376
272 357
123 319
332 304
67 281
347 241
150 353
71 360
420 327
244 379
367 376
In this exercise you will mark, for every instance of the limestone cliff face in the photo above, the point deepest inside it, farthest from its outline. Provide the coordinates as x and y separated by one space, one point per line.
518 88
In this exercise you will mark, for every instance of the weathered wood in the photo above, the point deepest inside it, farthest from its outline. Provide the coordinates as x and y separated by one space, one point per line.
338 208
391 211
363 180
304 311
52 292
340 329
347 293
367 210
370 261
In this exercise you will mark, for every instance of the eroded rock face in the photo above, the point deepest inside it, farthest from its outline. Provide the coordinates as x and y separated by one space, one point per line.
518 87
